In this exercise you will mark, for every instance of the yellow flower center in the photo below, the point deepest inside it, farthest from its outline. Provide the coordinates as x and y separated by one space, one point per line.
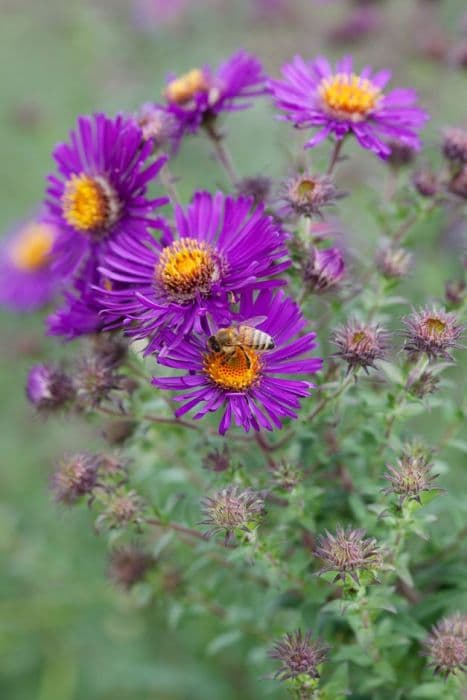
32 249
186 268
349 96
89 203
184 88
236 372
434 326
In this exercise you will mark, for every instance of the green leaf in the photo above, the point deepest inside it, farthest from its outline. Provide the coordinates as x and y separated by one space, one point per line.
223 641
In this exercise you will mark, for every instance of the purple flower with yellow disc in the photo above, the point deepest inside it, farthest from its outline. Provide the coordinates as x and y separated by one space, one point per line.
341 102
202 94
27 281
220 247
245 385
100 190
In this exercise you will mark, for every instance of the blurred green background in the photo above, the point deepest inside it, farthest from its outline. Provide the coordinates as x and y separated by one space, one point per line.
65 633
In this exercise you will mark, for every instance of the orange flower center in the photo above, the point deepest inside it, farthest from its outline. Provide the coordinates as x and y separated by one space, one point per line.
186 268
435 327
236 372
349 96
32 249
183 89
89 203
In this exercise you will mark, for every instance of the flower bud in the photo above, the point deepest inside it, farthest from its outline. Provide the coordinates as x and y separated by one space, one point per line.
299 655
410 478
49 388
348 552
446 645
393 263
458 183
306 195
454 291
116 432
123 509
285 476
129 565
258 188
426 183
95 379
454 145
360 344
217 461
433 332
157 125
424 385
75 476
324 269
232 509
401 155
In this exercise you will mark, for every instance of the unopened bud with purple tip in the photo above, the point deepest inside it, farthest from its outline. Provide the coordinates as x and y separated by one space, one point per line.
49 388
324 269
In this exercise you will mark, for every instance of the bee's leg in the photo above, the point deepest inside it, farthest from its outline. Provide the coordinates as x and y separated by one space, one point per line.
247 359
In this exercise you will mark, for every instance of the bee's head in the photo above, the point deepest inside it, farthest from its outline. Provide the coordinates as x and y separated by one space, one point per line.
213 344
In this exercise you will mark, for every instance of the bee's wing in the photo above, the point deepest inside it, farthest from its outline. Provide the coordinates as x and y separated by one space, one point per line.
253 322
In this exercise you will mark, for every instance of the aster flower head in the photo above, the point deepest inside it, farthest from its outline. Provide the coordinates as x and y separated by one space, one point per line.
427 383
245 384
75 476
100 189
231 510
221 247
433 332
299 655
410 478
324 269
348 552
201 94
392 262
341 102
360 344
128 565
27 281
306 194
285 476
49 388
446 645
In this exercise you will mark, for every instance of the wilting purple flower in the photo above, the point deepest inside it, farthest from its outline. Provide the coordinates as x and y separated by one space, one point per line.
324 269
426 182
75 476
217 461
245 385
220 247
27 280
446 645
100 190
232 509
341 102
307 194
122 509
202 94
129 565
432 331
348 552
95 379
360 344
48 387
299 655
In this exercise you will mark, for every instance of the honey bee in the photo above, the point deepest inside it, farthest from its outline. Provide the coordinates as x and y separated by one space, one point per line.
229 341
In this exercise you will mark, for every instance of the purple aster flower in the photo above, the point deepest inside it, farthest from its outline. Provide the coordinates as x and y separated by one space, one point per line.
244 383
220 247
27 280
81 312
341 101
49 388
201 94
100 190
